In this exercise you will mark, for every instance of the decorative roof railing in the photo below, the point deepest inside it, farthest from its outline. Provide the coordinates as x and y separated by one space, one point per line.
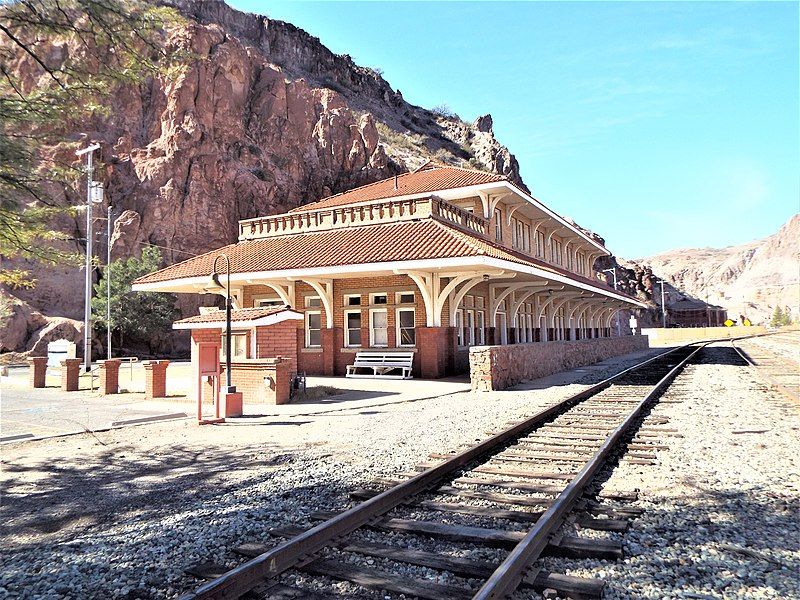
387 211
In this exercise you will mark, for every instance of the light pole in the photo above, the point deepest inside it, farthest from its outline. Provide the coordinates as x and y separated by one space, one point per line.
108 281
613 271
663 306
214 287
87 305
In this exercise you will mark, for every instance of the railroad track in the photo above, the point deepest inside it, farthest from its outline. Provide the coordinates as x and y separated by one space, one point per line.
780 373
473 523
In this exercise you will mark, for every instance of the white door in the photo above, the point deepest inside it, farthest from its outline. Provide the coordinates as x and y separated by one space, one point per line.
379 327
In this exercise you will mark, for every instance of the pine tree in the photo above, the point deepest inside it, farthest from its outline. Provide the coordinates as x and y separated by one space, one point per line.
777 317
114 42
134 315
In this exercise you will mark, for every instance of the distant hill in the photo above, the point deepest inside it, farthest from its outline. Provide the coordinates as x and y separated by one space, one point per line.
751 279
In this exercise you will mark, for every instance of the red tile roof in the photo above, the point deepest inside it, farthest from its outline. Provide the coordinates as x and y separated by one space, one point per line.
389 242
242 314
428 178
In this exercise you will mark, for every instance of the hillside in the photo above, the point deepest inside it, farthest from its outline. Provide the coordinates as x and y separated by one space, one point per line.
751 279
261 119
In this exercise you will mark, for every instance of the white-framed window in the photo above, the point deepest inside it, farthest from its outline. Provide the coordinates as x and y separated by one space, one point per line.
312 302
266 302
313 329
581 258
460 327
381 298
406 333
540 241
498 224
479 302
503 326
404 297
527 238
352 299
556 251
481 323
352 328
238 345
378 327
468 302
470 328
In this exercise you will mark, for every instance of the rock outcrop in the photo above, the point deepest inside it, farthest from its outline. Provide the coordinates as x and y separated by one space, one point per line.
261 119
751 279
26 332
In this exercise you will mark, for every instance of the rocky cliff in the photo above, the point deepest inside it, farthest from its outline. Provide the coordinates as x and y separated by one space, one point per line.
751 279
261 119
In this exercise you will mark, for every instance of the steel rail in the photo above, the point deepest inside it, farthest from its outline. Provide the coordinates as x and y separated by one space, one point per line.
246 576
508 575
761 371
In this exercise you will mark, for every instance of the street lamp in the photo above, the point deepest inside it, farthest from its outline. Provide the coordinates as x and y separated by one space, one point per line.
663 306
94 190
215 287
613 271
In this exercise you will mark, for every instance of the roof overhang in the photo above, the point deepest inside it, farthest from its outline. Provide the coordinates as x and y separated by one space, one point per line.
278 317
437 265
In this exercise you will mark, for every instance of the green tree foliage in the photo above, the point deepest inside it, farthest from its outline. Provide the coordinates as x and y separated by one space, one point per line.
781 317
60 60
134 315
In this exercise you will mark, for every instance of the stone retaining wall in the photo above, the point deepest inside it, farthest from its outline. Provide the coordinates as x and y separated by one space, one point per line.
500 367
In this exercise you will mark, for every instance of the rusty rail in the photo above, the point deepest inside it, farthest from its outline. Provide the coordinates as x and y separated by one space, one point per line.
510 572
245 577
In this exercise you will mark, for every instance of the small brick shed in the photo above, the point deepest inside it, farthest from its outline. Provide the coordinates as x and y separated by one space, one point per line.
264 351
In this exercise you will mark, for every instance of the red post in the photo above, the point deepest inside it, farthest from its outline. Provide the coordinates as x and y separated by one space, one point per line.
38 371
70 372
109 376
155 379
328 352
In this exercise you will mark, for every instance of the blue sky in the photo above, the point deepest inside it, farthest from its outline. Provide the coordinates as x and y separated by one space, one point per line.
657 125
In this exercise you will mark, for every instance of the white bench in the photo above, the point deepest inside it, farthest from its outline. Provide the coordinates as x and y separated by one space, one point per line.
382 364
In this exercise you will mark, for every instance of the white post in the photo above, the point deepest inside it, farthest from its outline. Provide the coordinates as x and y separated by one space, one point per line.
663 307
87 305
108 282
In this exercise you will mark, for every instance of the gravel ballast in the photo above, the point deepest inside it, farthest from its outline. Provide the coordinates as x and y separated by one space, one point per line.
119 514
721 504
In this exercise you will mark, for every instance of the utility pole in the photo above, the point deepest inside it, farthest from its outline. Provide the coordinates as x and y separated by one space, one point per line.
663 306
108 281
613 271
87 305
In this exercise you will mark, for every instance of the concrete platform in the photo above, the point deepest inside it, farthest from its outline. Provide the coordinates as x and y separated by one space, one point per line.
26 413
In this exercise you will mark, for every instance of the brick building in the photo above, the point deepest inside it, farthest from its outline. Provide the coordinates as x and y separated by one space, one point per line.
432 261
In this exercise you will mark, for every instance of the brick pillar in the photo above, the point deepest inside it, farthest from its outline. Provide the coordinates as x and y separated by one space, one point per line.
38 371
70 372
433 345
155 379
277 382
109 376
491 336
328 351
232 404
512 335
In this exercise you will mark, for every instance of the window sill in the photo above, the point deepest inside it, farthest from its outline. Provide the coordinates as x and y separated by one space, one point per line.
311 350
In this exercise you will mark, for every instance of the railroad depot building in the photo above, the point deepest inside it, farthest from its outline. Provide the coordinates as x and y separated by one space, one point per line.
433 262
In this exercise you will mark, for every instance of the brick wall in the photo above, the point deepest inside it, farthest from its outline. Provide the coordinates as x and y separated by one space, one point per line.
500 367
318 361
